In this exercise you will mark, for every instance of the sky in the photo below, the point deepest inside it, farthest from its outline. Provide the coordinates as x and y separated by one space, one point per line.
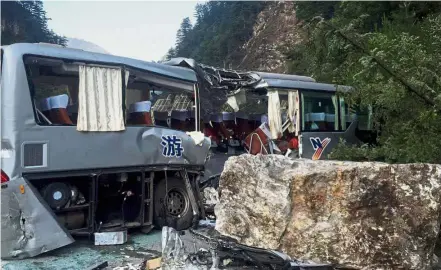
138 29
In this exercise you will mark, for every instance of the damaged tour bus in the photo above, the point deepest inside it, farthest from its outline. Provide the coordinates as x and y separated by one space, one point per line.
94 142
268 113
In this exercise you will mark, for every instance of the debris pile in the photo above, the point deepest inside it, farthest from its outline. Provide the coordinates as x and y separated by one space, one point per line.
210 250
363 215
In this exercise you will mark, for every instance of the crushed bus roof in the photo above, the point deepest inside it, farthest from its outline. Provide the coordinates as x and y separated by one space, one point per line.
51 50
301 85
277 76
231 80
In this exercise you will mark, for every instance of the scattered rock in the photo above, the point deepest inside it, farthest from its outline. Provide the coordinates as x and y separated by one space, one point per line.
366 215
211 197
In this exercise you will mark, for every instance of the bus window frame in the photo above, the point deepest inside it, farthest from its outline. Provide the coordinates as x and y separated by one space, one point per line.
123 67
302 111
339 98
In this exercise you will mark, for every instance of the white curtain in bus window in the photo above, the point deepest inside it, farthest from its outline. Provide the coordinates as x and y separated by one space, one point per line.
100 99
333 118
343 113
274 114
292 110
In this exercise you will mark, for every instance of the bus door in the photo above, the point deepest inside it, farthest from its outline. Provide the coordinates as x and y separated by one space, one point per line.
325 120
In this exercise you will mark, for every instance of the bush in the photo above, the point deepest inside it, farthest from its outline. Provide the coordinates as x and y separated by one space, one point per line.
364 152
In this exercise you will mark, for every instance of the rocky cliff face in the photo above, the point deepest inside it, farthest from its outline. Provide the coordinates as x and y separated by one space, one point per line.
365 215
275 31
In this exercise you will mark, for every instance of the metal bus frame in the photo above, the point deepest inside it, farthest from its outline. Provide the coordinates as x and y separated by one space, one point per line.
36 155
228 83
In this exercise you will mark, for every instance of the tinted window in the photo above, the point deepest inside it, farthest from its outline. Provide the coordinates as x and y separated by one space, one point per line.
319 112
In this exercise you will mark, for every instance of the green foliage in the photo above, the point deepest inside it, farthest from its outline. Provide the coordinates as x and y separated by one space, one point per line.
364 152
390 53
183 38
26 21
170 54
221 29
305 11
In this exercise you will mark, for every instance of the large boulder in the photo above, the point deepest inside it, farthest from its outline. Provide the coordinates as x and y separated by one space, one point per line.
366 215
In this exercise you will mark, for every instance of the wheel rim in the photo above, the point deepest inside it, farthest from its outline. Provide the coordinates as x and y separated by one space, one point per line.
177 202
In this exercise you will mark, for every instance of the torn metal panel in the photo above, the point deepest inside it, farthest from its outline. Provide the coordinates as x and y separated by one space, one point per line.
173 250
167 146
223 249
214 167
216 84
28 226
290 77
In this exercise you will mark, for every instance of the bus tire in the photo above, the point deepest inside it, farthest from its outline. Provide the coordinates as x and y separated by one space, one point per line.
176 212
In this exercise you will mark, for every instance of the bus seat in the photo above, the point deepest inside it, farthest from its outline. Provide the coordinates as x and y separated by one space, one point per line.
229 120
180 120
317 119
330 121
257 142
56 108
72 111
209 131
307 118
139 113
219 126
45 107
192 122
161 118
243 127
255 120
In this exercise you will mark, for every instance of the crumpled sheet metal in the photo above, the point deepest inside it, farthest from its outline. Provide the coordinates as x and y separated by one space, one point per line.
216 84
28 226
214 165
174 255
195 151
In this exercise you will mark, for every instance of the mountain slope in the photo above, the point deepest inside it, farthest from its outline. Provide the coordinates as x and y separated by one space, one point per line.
275 32
240 35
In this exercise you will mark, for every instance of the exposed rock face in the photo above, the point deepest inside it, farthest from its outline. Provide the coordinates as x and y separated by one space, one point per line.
366 215
276 31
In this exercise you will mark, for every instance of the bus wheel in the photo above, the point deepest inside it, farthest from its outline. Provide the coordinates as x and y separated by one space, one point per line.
172 208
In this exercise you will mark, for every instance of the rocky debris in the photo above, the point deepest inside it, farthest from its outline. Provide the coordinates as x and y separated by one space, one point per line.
276 31
211 197
362 214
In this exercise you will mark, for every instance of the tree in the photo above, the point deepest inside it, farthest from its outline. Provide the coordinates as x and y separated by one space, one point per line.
171 53
389 53
183 38
220 31
26 21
